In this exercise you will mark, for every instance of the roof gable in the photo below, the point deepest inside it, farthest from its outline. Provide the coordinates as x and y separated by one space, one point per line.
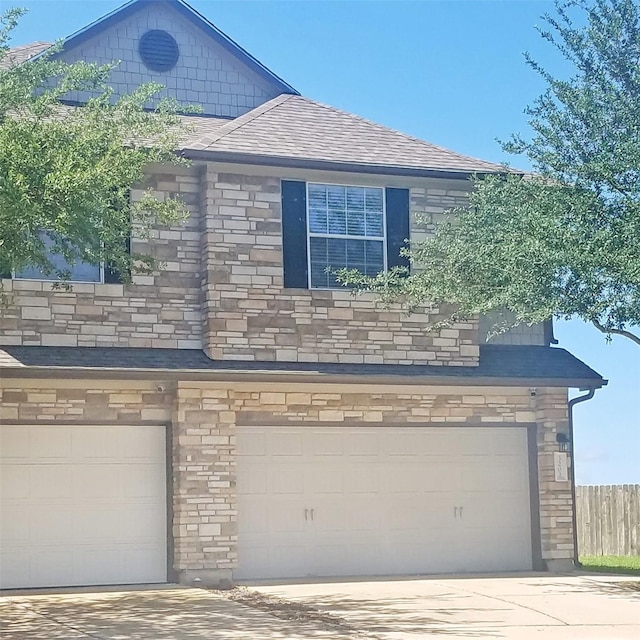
211 70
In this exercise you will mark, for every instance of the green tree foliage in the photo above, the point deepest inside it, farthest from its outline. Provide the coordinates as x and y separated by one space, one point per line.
565 241
66 172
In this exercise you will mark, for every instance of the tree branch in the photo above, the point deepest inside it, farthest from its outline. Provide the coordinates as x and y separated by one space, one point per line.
620 332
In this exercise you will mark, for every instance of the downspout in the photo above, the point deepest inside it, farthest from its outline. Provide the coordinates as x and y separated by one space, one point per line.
572 403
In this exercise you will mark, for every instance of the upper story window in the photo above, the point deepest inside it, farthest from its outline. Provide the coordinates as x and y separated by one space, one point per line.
78 272
326 227
346 229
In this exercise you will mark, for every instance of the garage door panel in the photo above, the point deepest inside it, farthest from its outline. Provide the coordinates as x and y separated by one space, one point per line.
96 523
286 478
50 482
507 474
51 444
95 443
287 443
362 478
14 445
407 443
362 513
324 444
14 482
14 523
141 443
328 479
253 481
74 516
251 443
142 480
96 482
365 444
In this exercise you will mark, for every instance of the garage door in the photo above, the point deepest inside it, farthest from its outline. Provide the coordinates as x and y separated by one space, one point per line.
381 501
82 505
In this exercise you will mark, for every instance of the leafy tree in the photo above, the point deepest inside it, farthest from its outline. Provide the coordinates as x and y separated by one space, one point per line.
66 172
565 241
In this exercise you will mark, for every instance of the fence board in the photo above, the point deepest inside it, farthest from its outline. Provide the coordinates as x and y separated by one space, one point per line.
608 520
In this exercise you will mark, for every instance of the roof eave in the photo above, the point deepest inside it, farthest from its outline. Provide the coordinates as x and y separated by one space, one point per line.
209 375
331 165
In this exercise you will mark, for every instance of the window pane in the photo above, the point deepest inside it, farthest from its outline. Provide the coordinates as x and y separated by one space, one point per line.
79 272
355 198
374 200
355 223
318 220
374 257
318 196
336 197
318 249
374 224
337 253
355 253
337 222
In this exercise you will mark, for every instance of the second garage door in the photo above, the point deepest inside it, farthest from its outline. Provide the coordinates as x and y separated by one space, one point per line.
325 501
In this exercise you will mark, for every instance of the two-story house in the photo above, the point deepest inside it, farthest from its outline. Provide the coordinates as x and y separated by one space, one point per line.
238 415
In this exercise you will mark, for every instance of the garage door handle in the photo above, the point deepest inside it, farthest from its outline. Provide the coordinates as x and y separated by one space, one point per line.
461 512
306 514
312 514
455 512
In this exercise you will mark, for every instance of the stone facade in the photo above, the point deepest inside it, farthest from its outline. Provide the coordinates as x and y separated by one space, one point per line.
205 73
159 310
250 316
222 288
203 417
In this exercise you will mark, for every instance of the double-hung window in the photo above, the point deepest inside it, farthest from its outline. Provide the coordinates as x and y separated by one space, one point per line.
346 229
327 227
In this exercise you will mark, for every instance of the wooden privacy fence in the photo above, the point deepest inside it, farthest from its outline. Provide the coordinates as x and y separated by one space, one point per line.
608 520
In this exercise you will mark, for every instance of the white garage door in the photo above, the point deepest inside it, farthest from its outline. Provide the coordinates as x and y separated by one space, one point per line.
82 505
325 501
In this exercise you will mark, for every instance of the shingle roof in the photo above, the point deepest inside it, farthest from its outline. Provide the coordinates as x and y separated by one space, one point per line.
19 54
504 364
297 128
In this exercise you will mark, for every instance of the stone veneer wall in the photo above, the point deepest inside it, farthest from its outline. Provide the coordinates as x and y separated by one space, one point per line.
203 418
158 310
250 316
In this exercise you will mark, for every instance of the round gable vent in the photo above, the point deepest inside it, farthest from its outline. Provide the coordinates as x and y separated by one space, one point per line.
158 50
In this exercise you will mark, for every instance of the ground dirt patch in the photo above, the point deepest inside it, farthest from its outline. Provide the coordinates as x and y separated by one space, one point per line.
295 612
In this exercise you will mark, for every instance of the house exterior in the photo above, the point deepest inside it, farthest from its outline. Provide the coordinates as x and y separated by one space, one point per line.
237 416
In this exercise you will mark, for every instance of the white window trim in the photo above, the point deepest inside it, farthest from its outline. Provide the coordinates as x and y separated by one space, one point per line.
340 236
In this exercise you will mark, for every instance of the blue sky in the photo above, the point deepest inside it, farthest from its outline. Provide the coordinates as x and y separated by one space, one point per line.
447 71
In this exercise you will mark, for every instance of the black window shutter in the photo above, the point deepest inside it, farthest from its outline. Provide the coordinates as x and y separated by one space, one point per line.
111 274
397 205
294 234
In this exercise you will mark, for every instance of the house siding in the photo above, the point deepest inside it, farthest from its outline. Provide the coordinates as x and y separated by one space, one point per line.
203 418
205 73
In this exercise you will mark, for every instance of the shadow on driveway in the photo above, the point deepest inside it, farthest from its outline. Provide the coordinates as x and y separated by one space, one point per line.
157 614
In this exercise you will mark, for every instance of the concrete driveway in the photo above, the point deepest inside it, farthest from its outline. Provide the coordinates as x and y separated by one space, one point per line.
512 607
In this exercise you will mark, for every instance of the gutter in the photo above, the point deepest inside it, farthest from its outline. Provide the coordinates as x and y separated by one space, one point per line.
283 376
572 403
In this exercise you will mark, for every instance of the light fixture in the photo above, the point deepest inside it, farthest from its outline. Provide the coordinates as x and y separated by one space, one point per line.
564 444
